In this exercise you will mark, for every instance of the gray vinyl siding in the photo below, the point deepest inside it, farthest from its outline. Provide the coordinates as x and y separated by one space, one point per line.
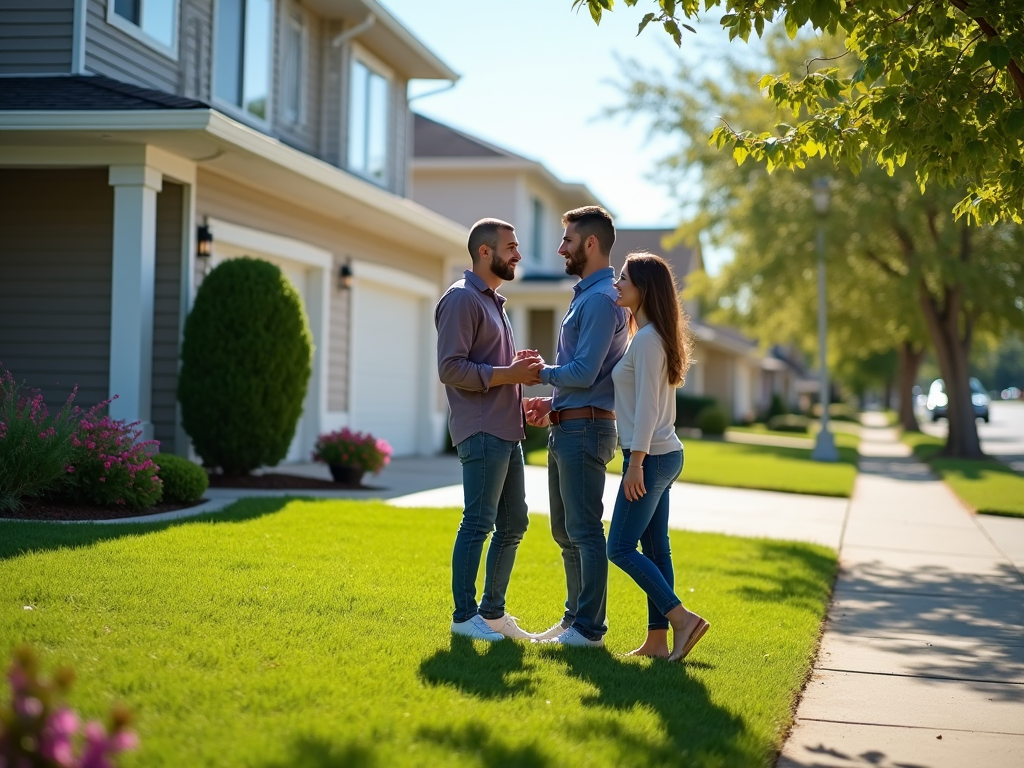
36 36
338 346
196 47
169 223
116 54
334 98
56 241
400 120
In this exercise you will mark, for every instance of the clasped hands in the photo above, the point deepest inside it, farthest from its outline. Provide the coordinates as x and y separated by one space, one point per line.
525 368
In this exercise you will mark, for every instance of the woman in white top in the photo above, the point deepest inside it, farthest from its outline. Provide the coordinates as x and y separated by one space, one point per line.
645 379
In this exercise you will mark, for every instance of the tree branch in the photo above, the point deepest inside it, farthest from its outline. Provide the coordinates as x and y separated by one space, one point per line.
1015 71
882 263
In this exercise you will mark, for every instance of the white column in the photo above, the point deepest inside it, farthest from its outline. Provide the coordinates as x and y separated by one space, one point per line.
518 318
132 288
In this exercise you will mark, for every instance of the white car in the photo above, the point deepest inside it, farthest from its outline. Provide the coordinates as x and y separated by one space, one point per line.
937 400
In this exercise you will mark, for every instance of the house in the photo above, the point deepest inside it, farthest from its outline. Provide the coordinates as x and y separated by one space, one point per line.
466 179
134 131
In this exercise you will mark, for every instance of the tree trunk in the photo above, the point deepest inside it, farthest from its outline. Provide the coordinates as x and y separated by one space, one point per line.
910 363
952 348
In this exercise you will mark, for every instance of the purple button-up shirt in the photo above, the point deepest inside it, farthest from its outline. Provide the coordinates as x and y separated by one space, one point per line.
473 336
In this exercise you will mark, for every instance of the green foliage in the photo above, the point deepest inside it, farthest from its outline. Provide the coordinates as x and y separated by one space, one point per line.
713 420
936 86
276 642
112 465
246 360
837 412
788 422
776 407
184 482
689 406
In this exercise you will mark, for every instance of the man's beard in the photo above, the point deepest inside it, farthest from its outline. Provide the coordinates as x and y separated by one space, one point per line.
577 261
503 269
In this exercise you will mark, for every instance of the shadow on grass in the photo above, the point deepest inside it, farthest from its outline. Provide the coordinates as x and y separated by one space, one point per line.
316 752
696 730
799 575
496 673
477 740
25 537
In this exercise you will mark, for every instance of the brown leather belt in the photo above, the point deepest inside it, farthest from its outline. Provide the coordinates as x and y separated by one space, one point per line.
590 412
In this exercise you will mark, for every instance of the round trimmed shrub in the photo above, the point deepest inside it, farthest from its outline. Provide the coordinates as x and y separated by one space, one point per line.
712 421
788 423
777 407
184 482
246 360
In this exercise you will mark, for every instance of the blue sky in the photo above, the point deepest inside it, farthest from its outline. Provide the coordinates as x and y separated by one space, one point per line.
536 78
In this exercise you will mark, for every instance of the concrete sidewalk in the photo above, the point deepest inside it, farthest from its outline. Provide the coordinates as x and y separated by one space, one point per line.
922 659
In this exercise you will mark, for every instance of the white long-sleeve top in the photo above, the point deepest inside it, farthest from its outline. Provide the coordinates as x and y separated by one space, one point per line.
645 402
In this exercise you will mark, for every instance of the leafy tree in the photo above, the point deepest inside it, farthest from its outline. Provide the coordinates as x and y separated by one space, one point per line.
937 85
901 270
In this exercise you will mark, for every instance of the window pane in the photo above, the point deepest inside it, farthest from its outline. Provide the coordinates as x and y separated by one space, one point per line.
127 9
256 77
358 117
228 51
158 17
292 75
377 128
537 235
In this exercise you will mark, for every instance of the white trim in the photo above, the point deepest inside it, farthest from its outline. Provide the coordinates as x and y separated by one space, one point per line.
238 111
78 38
372 62
186 290
106 120
273 245
135 30
394 279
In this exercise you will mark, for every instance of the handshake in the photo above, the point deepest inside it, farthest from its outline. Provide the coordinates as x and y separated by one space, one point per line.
525 368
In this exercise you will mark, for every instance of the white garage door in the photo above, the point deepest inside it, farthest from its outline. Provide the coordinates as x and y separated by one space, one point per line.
386 365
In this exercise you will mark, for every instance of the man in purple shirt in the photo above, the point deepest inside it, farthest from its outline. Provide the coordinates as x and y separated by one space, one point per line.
483 376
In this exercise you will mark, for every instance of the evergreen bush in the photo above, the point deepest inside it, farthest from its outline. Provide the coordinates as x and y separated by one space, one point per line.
184 482
777 407
246 360
712 421
788 422
689 407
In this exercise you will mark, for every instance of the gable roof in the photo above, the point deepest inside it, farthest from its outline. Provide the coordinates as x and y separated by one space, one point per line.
63 93
683 259
434 139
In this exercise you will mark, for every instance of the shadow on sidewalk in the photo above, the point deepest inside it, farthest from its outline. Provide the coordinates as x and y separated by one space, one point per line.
897 468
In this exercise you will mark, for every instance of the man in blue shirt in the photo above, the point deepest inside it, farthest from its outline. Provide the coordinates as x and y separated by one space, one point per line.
580 413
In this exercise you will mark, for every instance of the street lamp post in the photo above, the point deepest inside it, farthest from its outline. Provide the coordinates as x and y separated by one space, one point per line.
824 445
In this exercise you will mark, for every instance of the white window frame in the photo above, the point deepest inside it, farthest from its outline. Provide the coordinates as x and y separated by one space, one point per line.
294 15
378 67
237 111
131 29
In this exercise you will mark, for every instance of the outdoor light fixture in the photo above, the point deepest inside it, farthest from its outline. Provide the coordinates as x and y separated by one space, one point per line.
345 277
204 241
824 444
821 195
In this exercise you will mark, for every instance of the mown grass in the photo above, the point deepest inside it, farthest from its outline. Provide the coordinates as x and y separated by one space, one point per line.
845 435
315 633
988 487
761 467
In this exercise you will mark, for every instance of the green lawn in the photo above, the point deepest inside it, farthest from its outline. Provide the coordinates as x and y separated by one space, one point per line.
989 487
763 467
315 633
846 435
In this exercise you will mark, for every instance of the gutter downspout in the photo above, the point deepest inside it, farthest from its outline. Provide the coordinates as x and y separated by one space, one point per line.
78 39
357 30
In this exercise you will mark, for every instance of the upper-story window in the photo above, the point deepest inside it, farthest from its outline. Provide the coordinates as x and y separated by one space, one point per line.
368 125
293 103
537 231
154 22
243 52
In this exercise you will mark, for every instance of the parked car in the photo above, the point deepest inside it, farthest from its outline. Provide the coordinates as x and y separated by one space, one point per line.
937 400
1010 393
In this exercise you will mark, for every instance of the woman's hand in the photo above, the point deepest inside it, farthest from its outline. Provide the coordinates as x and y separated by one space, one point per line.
633 481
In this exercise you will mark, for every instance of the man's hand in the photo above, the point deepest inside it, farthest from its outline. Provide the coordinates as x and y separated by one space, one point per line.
524 370
528 354
538 411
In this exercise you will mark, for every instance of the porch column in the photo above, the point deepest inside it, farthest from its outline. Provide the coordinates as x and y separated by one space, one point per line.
132 289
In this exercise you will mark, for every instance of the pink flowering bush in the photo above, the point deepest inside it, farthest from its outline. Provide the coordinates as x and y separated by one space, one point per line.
111 466
38 730
35 447
353 449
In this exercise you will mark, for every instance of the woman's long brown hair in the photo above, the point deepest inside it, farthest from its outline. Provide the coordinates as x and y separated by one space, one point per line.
659 301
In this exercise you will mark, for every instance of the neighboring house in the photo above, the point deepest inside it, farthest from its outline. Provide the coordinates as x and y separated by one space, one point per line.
466 179
131 129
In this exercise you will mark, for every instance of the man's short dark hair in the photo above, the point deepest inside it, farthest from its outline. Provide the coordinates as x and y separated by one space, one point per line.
593 220
485 232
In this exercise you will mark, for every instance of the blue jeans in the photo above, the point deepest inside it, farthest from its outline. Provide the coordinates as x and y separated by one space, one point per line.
645 521
578 453
495 500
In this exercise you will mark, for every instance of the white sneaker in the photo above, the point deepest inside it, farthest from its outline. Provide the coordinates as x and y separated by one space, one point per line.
550 634
572 637
477 629
508 627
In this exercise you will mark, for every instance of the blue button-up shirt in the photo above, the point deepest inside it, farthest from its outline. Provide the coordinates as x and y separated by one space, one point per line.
592 339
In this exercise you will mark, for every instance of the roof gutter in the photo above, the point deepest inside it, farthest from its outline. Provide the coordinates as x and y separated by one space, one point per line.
356 31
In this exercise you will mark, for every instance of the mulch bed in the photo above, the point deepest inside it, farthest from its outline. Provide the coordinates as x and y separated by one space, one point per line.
67 510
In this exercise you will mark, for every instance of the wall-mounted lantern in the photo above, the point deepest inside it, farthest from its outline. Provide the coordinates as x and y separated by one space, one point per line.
204 241
345 277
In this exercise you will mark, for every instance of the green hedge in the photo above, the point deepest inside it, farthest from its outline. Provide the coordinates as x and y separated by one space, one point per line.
184 482
688 408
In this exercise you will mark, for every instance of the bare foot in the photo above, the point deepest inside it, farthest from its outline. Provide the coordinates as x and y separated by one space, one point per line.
686 634
655 646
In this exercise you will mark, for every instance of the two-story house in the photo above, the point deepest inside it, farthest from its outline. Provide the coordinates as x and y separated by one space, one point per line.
144 141
466 178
